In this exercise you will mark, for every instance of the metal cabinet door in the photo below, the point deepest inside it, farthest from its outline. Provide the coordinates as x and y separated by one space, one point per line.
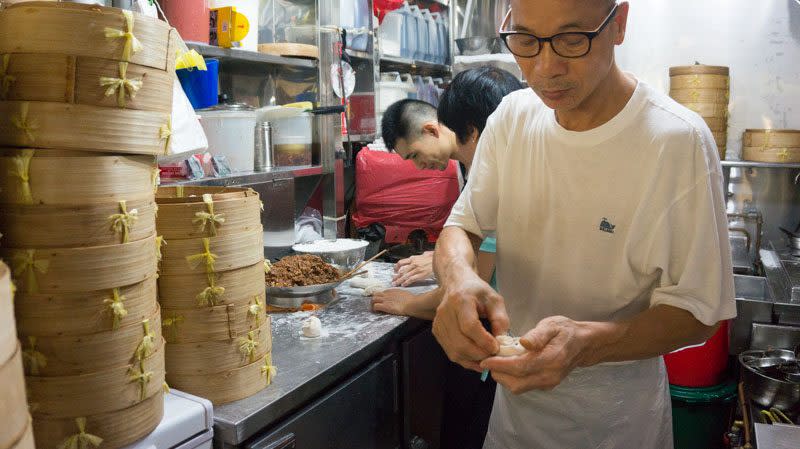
362 412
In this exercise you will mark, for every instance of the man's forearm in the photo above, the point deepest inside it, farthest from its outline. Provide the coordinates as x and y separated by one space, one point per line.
656 331
424 306
455 253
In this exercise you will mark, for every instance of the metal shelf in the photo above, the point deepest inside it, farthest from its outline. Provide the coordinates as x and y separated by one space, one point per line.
359 54
236 56
391 63
249 178
788 165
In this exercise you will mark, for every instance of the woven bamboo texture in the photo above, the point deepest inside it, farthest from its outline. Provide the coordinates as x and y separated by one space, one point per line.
200 324
771 138
73 178
60 270
8 332
229 386
699 69
77 226
117 429
89 81
193 358
109 390
85 354
86 30
699 81
85 128
62 314
26 440
195 216
699 95
13 406
230 287
709 110
769 154
212 254
717 124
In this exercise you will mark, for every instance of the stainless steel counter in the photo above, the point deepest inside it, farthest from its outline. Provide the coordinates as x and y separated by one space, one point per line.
352 336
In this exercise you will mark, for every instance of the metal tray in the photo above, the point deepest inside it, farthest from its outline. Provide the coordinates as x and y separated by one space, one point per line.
301 291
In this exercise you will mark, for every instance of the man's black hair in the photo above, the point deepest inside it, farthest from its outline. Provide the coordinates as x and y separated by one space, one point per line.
472 97
404 119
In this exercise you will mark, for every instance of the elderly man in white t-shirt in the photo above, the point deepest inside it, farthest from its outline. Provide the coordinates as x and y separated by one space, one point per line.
612 245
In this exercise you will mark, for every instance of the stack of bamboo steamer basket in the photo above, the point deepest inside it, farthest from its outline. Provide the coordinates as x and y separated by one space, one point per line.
85 105
212 292
704 89
17 431
771 145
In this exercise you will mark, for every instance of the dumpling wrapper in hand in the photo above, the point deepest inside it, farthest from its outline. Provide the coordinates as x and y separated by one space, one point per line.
509 346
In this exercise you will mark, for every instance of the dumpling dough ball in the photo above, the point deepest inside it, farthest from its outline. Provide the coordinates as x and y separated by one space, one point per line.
509 346
312 327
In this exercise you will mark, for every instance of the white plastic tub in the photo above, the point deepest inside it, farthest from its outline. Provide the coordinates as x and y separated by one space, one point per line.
231 133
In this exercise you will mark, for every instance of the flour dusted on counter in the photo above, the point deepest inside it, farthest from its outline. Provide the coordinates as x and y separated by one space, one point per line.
311 327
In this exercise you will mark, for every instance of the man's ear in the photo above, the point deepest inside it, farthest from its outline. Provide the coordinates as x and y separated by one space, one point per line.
431 127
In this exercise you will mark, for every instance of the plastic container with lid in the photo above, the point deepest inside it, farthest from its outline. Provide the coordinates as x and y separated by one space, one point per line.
420 49
229 130
432 51
702 365
189 17
411 88
443 37
292 135
291 151
393 33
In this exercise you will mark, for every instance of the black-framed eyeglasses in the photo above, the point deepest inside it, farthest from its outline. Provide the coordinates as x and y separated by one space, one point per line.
572 44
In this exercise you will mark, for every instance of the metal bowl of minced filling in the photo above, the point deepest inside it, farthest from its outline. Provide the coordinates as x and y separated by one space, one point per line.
343 254
301 279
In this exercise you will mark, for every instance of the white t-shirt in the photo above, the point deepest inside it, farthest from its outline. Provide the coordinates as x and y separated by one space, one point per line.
599 225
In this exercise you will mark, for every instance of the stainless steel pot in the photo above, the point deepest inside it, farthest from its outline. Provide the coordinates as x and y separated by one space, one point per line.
765 390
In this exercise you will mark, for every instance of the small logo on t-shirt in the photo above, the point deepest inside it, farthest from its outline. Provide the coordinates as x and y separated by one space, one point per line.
606 226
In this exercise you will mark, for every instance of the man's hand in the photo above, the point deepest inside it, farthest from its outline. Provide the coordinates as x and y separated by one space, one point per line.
413 269
555 347
457 324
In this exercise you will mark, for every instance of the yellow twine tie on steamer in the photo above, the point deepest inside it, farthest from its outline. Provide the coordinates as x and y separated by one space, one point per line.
117 307
783 154
268 369
209 218
23 123
22 170
24 262
143 378
33 359
165 134
247 346
695 80
148 344
255 308
206 256
211 294
132 44
695 95
5 79
159 243
81 440
122 86
123 221
767 135
172 323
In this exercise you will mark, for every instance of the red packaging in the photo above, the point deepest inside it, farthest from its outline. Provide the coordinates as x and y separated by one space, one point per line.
189 17
700 366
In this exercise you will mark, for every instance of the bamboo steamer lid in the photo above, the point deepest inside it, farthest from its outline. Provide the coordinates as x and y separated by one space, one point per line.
770 154
709 110
771 138
716 124
8 332
232 287
117 429
26 440
62 270
193 358
699 95
78 226
699 81
226 213
84 128
86 30
194 194
88 394
73 178
83 354
229 386
13 406
89 81
212 323
698 69
45 315
212 254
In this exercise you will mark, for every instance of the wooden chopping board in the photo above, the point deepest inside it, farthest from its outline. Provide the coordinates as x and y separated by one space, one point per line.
290 49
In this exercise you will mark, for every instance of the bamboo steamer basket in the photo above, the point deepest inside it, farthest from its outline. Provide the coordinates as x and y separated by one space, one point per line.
771 138
8 332
117 429
211 323
238 286
13 406
84 354
709 110
90 81
44 315
716 124
700 81
787 155
81 127
88 394
232 251
229 386
720 137
699 69
62 270
236 211
77 226
74 178
81 30
193 358
699 95
26 441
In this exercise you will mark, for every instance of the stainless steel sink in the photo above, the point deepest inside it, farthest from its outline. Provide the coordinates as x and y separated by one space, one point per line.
754 304
751 287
